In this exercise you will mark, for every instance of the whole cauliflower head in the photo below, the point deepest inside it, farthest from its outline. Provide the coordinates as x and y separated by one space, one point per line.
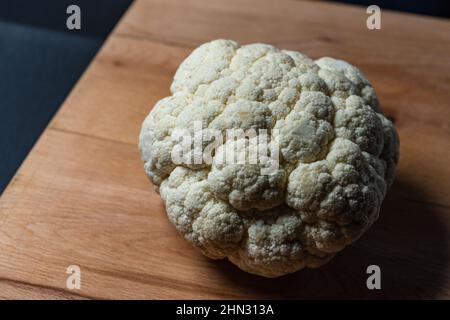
337 156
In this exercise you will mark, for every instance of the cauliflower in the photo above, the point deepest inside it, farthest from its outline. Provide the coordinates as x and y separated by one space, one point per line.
337 156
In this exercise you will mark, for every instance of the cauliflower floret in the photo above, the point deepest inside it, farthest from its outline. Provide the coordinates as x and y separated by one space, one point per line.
242 185
337 156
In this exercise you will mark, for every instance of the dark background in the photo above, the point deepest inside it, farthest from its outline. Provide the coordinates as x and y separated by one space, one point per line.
41 60
437 8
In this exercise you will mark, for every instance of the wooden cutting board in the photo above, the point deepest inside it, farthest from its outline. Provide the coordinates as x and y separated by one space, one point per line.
81 196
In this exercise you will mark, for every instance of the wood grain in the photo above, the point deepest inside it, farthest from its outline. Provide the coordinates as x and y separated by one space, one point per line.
81 196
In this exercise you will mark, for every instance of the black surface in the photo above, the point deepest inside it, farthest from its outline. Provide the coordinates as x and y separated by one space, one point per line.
40 61
98 17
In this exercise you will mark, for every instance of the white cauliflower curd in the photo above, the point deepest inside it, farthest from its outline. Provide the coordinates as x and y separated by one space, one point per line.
337 156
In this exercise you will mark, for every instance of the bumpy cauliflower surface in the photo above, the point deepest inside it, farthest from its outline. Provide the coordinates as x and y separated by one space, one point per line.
337 156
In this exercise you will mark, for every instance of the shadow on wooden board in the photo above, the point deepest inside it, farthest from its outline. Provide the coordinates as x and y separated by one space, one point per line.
406 242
